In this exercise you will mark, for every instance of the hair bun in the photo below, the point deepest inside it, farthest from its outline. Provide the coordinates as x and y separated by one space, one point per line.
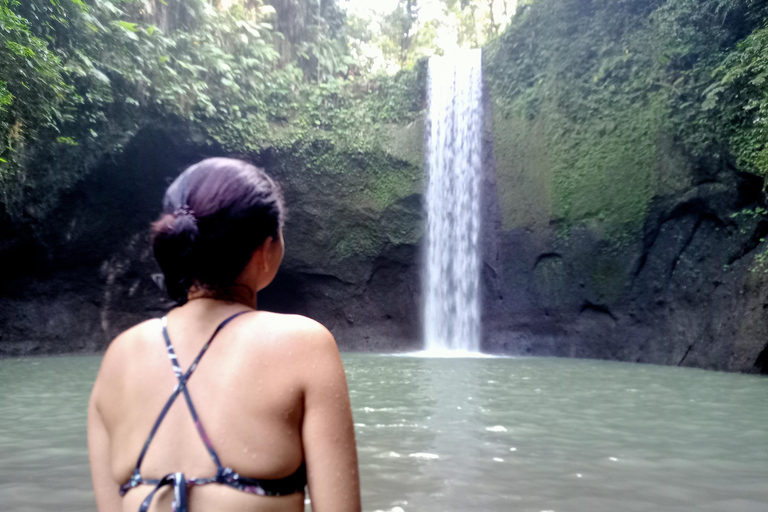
182 211
185 223
174 237
185 226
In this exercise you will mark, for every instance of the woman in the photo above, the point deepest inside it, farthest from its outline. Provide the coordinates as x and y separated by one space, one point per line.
267 408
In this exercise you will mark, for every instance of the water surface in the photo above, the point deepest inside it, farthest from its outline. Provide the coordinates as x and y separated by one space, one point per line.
463 435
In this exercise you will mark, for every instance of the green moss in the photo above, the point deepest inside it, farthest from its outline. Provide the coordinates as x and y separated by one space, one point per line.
522 170
392 184
354 194
404 141
357 242
406 229
606 170
587 97
577 118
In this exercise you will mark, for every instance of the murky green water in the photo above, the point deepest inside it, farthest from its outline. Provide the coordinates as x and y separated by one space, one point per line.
463 435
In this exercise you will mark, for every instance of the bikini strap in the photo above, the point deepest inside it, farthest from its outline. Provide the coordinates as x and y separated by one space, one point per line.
181 387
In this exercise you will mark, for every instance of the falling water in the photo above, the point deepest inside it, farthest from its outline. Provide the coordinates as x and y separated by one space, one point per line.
452 307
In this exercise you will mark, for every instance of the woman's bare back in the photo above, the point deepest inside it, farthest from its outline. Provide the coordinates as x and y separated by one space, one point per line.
253 391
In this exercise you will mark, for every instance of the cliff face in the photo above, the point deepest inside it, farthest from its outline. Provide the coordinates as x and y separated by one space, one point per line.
354 224
683 289
607 232
72 280
355 221
624 225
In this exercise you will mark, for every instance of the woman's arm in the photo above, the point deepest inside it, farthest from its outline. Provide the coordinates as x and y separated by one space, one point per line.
327 431
105 488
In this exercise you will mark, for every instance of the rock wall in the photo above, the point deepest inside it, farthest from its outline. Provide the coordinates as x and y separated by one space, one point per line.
72 280
654 257
623 225
685 285
685 292
76 280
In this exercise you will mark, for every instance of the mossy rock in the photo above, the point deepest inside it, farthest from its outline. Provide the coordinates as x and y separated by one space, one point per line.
523 173
604 175
346 205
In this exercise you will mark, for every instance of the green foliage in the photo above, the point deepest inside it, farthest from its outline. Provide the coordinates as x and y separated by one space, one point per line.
350 114
106 68
33 91
586 80
606 81
751 213
752 216
311 35
738 98
708 48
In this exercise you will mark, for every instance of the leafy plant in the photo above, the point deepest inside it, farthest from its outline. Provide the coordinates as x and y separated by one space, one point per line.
33 90
602 83
103 69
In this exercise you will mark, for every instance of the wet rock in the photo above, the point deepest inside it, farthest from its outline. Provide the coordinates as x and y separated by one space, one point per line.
76 279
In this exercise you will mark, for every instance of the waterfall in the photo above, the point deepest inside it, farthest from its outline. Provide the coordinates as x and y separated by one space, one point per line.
452 275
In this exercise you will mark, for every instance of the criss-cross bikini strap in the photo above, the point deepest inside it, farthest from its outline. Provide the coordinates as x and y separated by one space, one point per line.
181 387
172 354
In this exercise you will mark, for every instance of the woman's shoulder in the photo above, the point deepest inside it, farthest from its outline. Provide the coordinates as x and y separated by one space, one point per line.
307 349
119 361
134 336
291 327
285 334
290 322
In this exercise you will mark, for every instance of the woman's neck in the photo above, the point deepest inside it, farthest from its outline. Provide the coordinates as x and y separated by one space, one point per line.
233 295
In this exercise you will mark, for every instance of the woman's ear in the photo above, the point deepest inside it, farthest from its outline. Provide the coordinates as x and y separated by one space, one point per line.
264 252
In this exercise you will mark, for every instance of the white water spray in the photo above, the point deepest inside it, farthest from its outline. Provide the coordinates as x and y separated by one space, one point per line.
452 278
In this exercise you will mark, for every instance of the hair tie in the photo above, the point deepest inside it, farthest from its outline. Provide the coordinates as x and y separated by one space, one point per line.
182 211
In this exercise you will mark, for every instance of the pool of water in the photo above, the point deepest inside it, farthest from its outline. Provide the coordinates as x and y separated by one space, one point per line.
433 435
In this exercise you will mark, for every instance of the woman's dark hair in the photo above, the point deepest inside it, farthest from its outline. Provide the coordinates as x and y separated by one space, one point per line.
215 215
